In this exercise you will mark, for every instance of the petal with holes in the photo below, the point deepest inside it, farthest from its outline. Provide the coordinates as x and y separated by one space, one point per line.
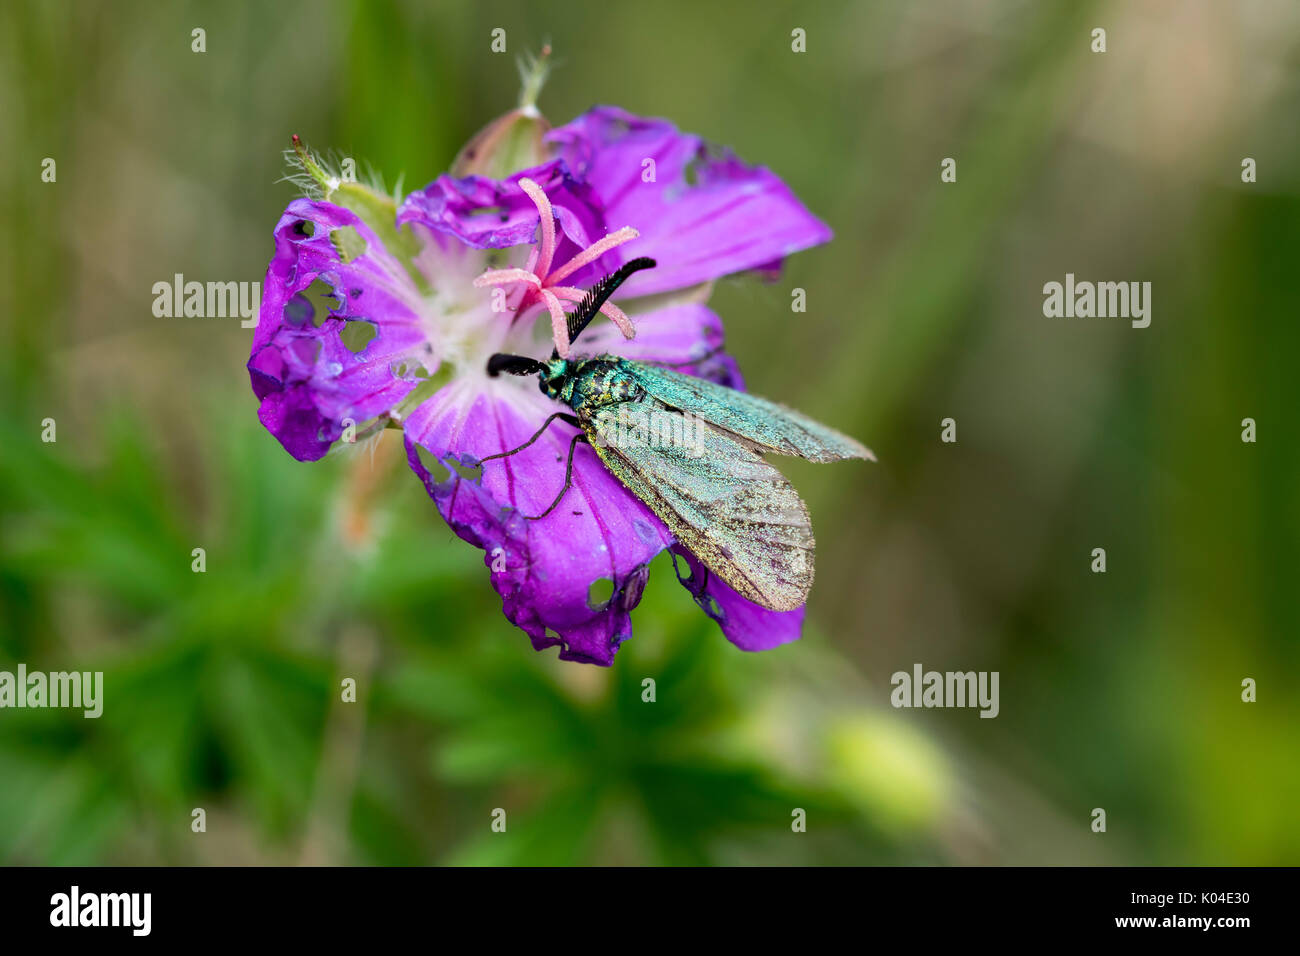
544 570
310 380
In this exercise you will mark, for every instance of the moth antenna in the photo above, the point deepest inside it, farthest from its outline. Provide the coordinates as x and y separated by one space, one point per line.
581 317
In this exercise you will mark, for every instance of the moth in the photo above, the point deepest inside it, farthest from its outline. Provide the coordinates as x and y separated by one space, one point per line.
725 504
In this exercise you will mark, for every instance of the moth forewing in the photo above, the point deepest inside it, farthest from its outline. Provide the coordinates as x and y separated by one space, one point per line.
723 502
766 424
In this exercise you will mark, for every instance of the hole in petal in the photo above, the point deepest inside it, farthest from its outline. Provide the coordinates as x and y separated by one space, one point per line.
690 579
468 472
305 228
691 171
409 369
438 472
599 593
357 334
699 167
348 243
321 301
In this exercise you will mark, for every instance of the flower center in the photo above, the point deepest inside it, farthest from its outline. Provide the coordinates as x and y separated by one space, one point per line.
543 284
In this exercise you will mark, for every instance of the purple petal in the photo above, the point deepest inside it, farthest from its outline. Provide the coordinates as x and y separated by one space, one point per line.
744 623
705 215
496 213
686 337
544 569
308 380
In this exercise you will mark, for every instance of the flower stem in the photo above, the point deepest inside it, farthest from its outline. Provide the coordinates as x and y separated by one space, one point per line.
310 166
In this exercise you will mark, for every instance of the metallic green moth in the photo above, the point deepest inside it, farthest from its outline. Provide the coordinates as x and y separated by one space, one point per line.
730 508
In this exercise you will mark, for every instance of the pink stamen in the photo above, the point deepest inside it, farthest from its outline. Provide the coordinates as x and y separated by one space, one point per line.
617 315
502 276
619 318
594 252
559 323
544 284
538 196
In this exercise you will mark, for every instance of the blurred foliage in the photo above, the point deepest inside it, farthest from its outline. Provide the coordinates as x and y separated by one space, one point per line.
1118 690
218 683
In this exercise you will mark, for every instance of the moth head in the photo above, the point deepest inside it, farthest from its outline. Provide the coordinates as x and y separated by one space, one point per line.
551 374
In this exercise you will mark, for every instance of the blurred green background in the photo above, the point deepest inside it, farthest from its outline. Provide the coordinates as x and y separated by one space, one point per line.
1118 690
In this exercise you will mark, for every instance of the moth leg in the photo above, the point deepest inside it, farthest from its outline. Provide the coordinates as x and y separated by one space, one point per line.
568 478
565 416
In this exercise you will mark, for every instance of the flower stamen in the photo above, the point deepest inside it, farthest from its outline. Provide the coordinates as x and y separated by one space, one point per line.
543 284
543 204
506 276
593 252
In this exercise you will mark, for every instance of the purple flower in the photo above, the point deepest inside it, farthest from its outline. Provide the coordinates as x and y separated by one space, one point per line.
462 270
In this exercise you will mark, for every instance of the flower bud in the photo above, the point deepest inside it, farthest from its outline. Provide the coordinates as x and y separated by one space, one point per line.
516 140
504 146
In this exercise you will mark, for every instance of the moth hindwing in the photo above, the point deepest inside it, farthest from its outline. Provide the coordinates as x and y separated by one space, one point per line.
722 501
